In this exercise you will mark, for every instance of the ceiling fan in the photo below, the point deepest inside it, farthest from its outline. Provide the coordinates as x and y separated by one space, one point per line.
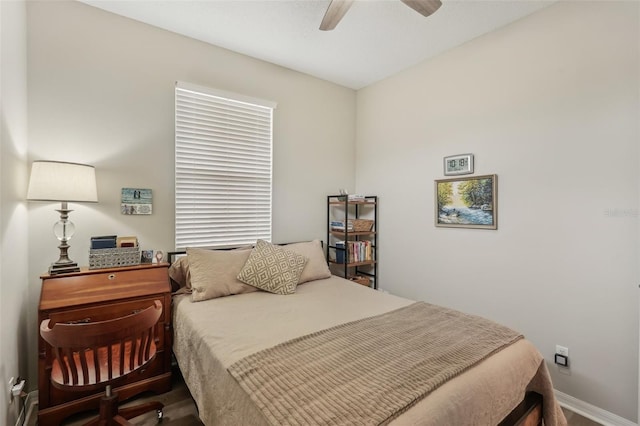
338 8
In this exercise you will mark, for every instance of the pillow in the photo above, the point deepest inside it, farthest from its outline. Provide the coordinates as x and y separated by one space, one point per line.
316 267
273 268
180 274
213 273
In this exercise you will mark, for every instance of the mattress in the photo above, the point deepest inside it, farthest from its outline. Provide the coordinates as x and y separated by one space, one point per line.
211 335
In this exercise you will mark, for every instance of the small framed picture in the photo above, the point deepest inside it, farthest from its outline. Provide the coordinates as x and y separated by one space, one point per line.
458 165
146 256
467 202
136 201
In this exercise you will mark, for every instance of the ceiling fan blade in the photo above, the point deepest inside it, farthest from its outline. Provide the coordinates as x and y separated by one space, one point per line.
423 7
334 13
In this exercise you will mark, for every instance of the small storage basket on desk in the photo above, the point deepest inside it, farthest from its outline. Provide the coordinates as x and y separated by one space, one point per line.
113 257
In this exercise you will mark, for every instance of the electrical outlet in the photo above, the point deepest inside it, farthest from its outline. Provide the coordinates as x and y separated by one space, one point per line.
17 389
561 350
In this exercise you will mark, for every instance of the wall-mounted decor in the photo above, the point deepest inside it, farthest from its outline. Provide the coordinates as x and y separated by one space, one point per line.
470 202
136 201
458 165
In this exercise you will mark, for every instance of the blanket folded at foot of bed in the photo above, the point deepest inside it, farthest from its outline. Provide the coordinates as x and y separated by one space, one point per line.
369 371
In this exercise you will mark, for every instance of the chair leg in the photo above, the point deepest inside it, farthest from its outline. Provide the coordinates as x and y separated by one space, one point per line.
92 422
135 411
119 420
110 414
108 409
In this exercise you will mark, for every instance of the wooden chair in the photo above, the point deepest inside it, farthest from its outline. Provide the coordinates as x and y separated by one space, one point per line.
92 355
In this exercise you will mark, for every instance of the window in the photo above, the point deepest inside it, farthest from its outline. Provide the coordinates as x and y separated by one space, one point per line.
222 168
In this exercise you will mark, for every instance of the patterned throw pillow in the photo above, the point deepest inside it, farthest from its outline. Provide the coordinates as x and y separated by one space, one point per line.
273 268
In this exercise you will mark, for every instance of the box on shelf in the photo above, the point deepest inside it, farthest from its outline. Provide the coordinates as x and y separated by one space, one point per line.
131 241
353 225
113 257
362 225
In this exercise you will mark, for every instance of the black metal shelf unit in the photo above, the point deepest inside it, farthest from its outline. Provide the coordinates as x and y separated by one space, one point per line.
359 212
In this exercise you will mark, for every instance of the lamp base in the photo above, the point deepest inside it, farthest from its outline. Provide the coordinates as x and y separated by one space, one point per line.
63 268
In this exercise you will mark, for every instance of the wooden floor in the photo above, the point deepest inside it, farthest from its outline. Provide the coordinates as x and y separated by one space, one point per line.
574 419
180 410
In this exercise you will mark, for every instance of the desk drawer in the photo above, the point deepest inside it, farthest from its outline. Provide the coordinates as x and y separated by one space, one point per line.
107 311
71 291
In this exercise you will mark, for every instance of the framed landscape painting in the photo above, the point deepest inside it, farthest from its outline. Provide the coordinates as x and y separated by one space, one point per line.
470 202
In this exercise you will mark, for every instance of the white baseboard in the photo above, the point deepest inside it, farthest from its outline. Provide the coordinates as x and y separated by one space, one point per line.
29 410
19 419
591 412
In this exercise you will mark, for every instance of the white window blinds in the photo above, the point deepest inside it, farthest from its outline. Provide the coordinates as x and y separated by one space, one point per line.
222 168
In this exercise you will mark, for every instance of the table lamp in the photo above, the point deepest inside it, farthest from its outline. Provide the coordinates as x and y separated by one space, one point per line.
64 182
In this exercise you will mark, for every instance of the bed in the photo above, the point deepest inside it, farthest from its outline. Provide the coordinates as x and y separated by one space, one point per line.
222 326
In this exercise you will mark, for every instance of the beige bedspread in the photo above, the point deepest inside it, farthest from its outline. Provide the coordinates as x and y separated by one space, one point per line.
210 336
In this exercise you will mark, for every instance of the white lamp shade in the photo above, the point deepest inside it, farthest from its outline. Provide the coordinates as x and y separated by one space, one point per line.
60 181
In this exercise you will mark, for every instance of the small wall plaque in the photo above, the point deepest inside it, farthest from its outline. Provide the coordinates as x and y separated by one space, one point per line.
136 201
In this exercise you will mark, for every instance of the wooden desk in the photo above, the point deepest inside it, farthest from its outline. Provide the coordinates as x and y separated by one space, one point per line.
97 295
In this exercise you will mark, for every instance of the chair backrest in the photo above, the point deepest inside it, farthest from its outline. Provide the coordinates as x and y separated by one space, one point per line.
88 355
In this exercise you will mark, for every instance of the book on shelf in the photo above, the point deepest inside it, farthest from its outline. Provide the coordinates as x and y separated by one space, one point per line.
354 251
339 251
338 225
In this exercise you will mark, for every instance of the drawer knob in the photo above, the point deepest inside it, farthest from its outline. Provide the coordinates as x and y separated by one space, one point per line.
112 276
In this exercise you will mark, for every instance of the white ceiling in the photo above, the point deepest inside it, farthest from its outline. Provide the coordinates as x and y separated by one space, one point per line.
375 39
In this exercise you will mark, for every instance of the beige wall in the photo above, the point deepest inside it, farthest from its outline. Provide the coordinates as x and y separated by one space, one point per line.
13 221
101 91
551 105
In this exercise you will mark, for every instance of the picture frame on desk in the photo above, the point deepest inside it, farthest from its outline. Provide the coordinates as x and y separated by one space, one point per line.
146 256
